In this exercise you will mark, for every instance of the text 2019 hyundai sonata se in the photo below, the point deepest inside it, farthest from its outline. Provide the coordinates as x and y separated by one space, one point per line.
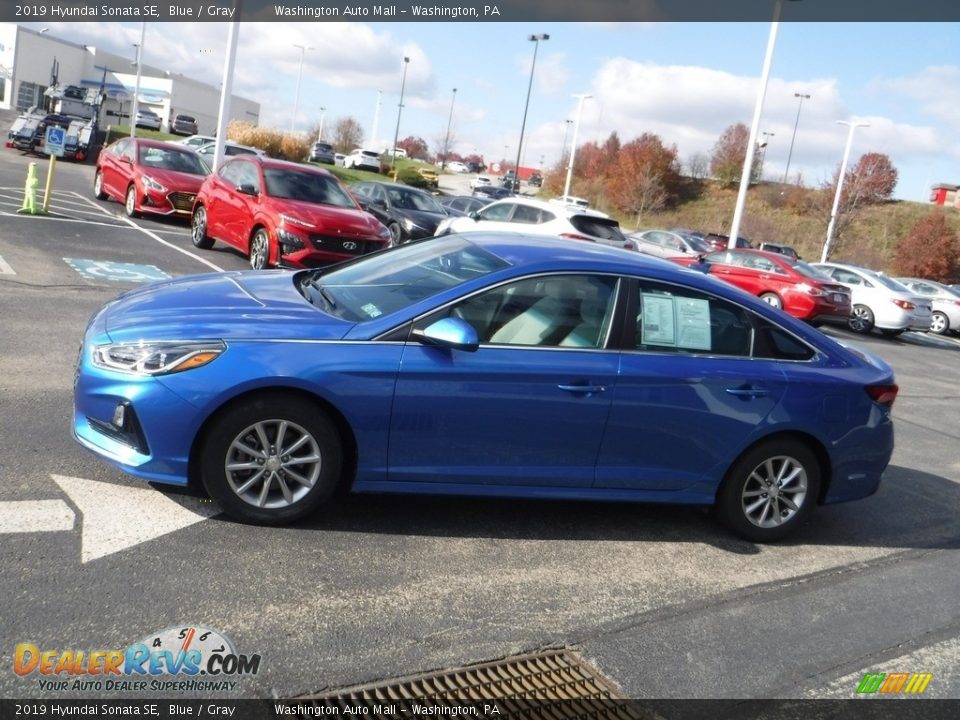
486 365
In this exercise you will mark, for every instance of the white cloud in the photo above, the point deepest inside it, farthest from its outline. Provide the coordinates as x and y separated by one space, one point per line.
935 88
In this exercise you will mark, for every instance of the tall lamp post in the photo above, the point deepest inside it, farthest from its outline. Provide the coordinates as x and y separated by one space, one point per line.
323 116
134 107
396 134
836 198
796 124
446 139
296 98
573 145
566 134
535 39
763 151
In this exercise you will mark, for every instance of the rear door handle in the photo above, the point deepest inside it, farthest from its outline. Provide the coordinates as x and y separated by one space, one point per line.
585 389
748 392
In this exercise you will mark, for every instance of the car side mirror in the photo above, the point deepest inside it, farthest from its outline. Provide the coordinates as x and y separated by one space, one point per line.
247 189
451 333
474 214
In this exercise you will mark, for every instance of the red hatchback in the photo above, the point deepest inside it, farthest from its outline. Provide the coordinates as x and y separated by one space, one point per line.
149 176
283 214
799 289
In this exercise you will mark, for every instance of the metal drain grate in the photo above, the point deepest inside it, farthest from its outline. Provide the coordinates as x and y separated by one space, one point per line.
555 684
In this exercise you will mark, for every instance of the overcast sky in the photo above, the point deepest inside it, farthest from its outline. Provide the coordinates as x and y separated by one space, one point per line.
686 82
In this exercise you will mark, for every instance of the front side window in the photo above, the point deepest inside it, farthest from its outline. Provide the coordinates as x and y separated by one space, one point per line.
231 173
497 213
548 311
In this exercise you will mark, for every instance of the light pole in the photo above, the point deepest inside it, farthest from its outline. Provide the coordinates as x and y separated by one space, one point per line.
134 107
296 98
396 134
323 115
446 140
763 152
836 198
573 145
566 133
535 39
795 126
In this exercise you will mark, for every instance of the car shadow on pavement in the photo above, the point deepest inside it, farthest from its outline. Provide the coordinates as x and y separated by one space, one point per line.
911 510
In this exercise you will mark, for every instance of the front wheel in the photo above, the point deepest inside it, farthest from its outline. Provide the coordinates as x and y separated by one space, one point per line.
98 186
260 250
861 319
130 202
773 300
396 234
198 229
271 461
770 490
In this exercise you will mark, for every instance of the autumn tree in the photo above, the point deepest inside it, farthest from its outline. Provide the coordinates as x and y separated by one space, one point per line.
416 147
645 176
347 135
870 181
930 250
726 163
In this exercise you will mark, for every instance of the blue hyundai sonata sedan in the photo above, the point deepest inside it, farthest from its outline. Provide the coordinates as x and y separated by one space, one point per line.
495 365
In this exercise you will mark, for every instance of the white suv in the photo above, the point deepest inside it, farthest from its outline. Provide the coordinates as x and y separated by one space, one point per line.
879 301
539 218
363 160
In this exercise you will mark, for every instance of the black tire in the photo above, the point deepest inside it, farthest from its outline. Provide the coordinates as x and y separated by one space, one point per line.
767 518
198 229
239 491
260 250
98 192
773 300
130 202
396 234
861 319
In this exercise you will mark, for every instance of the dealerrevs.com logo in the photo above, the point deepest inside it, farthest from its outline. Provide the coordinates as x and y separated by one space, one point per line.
178 659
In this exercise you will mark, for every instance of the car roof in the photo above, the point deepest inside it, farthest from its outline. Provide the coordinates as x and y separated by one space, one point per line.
554 207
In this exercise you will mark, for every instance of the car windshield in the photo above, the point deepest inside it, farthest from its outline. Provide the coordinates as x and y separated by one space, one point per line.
389 281
409 199
168 159
810 271
306 186
889 283
697 243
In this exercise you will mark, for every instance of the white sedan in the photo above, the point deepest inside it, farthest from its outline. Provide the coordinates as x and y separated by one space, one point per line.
945 301
480 181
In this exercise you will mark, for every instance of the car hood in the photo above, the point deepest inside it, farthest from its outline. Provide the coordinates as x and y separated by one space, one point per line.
330 220
251 305
426 220
174 180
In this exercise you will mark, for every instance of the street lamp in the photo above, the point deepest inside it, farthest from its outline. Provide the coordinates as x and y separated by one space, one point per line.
535 39
134 107
296 98
566 132
446 140
836 198
795 125
396 134
573 148
755 126
763 151
323 115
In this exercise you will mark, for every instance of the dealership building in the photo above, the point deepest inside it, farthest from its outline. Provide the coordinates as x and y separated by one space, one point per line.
31 61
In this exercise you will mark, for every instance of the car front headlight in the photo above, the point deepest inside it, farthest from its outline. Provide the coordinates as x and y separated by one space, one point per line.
409 225
158 358
151 184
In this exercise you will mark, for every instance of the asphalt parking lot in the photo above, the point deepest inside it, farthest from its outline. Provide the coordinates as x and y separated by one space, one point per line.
659 599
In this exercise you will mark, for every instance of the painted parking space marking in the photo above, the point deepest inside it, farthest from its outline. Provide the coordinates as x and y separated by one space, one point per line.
116 271
26 516
5 268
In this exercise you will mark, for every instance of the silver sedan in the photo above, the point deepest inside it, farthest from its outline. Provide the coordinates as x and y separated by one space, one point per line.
946 304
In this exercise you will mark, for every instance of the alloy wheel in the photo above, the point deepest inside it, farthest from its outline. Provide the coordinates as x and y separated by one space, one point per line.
774 492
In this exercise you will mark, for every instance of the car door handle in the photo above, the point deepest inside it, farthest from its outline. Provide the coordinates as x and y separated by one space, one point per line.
748 392
585 389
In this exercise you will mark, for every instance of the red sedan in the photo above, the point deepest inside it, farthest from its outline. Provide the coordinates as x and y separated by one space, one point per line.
283 214
149 176
792 285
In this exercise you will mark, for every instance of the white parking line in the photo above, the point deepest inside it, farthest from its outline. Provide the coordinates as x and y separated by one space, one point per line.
5 268
153 235
26 516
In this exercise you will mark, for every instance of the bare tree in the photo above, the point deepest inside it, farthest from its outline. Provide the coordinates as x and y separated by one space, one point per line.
698 165
347 134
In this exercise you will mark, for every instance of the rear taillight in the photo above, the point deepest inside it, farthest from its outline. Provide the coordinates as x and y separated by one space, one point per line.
883 394
575 236
903 304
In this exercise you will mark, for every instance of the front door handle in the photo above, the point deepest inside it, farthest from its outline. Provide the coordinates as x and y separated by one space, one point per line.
748 392
585 389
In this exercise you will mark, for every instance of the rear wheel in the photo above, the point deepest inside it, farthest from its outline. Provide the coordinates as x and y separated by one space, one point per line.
98 186
130 202
199 229
260 250
271 461
769 490
861 319
939 323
